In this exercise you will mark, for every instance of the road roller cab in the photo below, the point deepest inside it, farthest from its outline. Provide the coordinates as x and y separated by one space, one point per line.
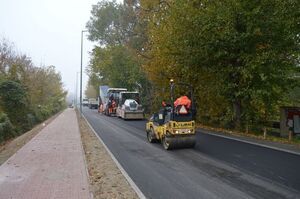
174 124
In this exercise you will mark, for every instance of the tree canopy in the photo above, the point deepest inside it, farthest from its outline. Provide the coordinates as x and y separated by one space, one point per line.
241 57
28 94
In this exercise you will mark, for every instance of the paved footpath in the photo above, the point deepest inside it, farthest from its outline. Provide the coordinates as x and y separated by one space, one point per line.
51 165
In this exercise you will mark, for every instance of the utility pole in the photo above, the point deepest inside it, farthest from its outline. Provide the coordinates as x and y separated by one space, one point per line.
81 70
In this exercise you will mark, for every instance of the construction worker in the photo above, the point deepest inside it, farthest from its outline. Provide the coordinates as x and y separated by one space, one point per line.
100 109
163 103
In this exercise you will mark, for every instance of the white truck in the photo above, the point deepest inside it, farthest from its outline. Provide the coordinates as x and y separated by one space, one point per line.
85 102
129 106
93 103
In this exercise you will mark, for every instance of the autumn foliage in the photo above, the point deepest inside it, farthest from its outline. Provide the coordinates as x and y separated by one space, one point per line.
241 57
28 94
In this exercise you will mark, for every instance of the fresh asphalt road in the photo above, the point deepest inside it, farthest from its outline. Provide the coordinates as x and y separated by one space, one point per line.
216 168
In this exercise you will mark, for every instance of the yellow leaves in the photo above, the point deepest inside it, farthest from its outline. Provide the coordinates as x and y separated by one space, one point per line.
262 46
258 32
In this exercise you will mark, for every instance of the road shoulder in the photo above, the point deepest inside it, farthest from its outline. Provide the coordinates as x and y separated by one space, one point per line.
106 180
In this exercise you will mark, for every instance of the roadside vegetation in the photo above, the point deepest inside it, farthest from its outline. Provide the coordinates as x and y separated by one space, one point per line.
241 57
28 94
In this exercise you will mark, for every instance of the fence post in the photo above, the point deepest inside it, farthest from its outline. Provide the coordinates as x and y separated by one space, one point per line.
265 132
290 134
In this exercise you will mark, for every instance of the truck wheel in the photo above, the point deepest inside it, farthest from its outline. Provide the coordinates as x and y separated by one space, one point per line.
151 136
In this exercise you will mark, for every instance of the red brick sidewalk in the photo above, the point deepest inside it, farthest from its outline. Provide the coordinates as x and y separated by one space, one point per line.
51 165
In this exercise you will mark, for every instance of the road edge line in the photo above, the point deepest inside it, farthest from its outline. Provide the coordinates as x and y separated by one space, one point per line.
125 174
252 143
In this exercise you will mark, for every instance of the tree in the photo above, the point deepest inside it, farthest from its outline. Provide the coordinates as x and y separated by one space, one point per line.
246 51
117 61
26 96
117 24
116 67
13 101
90 91
107 24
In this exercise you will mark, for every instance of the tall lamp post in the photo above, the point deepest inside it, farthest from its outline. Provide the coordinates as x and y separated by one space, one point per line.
81 70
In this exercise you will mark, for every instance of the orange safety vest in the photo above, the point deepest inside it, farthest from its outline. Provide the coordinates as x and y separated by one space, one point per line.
113 104
183 100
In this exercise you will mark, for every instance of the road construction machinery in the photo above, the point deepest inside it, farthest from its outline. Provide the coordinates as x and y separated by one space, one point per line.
174 126
102 98
109 100
129 106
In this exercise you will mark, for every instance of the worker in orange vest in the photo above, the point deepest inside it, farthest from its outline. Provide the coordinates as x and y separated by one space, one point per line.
100 109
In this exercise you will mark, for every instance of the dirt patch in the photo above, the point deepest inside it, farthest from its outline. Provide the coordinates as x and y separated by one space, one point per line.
10 147
106 180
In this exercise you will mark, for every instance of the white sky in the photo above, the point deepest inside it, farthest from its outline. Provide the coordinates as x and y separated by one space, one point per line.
49 32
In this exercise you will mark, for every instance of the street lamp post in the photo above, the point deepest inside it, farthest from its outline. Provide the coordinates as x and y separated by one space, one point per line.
81 70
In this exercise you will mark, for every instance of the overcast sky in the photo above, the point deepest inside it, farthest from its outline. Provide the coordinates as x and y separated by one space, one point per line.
49 32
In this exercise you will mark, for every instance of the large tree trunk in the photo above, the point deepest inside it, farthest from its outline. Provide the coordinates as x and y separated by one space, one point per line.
237 111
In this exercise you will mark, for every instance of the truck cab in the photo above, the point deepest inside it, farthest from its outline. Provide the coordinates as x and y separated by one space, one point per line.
93 103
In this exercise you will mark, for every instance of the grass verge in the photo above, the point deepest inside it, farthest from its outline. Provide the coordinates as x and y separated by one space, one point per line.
106 180
295 141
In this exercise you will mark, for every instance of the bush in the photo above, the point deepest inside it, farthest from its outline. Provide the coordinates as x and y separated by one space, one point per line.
6 128
31 121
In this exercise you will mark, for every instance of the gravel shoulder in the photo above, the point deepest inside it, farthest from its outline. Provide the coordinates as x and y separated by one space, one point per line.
106 180
10 147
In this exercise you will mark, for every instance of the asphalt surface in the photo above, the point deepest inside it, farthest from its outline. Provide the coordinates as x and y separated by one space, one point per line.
216 168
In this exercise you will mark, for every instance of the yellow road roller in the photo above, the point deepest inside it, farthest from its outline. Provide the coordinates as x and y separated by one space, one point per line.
174 124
